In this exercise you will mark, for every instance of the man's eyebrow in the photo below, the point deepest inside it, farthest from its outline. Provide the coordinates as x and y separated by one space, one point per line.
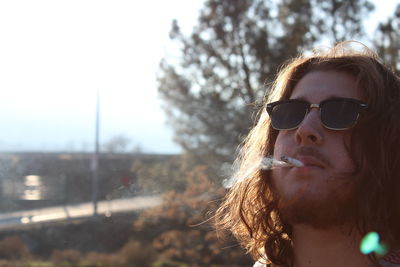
327 98
333 97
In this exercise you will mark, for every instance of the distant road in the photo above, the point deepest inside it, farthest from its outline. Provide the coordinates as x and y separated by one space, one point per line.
22 219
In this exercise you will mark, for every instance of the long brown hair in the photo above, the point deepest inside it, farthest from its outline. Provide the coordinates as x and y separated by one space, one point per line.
249 209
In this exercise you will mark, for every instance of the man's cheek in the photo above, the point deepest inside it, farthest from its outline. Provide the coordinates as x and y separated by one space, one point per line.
279 147
348 163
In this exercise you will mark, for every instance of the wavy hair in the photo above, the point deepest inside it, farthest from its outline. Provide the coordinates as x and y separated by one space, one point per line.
249 210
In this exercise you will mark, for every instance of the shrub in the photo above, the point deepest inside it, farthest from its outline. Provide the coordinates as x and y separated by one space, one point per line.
95 259
134 253
13 248
68 255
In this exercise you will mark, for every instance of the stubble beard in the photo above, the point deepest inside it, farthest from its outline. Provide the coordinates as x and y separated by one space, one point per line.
333 208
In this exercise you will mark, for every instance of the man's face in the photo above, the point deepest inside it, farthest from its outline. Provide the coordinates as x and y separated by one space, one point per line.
321 193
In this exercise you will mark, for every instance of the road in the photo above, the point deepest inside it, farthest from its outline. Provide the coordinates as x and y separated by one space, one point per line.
22 219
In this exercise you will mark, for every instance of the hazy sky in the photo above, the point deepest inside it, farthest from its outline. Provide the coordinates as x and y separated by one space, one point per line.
54 55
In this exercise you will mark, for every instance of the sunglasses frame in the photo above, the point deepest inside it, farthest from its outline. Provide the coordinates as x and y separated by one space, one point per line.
361 107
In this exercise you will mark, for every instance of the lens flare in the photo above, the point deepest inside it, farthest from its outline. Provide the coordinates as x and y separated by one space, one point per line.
370 243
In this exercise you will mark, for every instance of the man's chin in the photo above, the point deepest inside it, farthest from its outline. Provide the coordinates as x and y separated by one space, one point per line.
318 215
331 209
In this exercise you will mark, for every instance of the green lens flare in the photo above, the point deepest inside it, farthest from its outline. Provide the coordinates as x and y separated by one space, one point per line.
370 243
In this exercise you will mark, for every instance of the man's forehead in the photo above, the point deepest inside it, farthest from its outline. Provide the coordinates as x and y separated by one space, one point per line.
317 86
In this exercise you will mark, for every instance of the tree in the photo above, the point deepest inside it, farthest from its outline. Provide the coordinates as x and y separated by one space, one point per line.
211 94
121 144
387 40
341 19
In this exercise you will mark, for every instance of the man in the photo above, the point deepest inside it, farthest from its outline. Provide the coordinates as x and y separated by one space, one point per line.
339 113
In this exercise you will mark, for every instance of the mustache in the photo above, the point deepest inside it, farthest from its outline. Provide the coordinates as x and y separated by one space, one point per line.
312 152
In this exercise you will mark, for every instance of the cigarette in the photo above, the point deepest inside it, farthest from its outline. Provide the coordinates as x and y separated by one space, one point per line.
292 161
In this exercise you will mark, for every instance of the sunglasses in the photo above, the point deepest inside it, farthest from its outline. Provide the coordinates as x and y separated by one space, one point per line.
335 113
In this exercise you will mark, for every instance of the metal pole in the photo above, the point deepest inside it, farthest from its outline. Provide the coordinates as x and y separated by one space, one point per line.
95 158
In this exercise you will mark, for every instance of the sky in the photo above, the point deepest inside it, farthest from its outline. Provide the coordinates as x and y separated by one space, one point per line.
55 55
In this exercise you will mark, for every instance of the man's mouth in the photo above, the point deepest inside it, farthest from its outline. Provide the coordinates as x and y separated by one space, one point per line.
292 161
310 161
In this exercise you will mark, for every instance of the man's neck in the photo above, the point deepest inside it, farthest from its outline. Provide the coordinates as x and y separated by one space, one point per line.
331 247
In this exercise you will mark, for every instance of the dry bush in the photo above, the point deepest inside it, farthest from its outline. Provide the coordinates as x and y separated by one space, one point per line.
13 248
6 263
67 255
181 227
168 263
95 259
132 254
135 253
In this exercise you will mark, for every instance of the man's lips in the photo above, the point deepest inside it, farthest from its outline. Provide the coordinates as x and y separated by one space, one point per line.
310 161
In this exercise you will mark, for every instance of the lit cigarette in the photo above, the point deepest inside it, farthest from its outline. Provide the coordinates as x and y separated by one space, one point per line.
292 161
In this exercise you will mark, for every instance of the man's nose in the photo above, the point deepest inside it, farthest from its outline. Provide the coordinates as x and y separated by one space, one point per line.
310 129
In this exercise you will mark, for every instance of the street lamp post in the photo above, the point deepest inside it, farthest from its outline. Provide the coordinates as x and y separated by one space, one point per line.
95 159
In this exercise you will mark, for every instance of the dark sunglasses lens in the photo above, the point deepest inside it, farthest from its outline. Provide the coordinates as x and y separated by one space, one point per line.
339 114
288 115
